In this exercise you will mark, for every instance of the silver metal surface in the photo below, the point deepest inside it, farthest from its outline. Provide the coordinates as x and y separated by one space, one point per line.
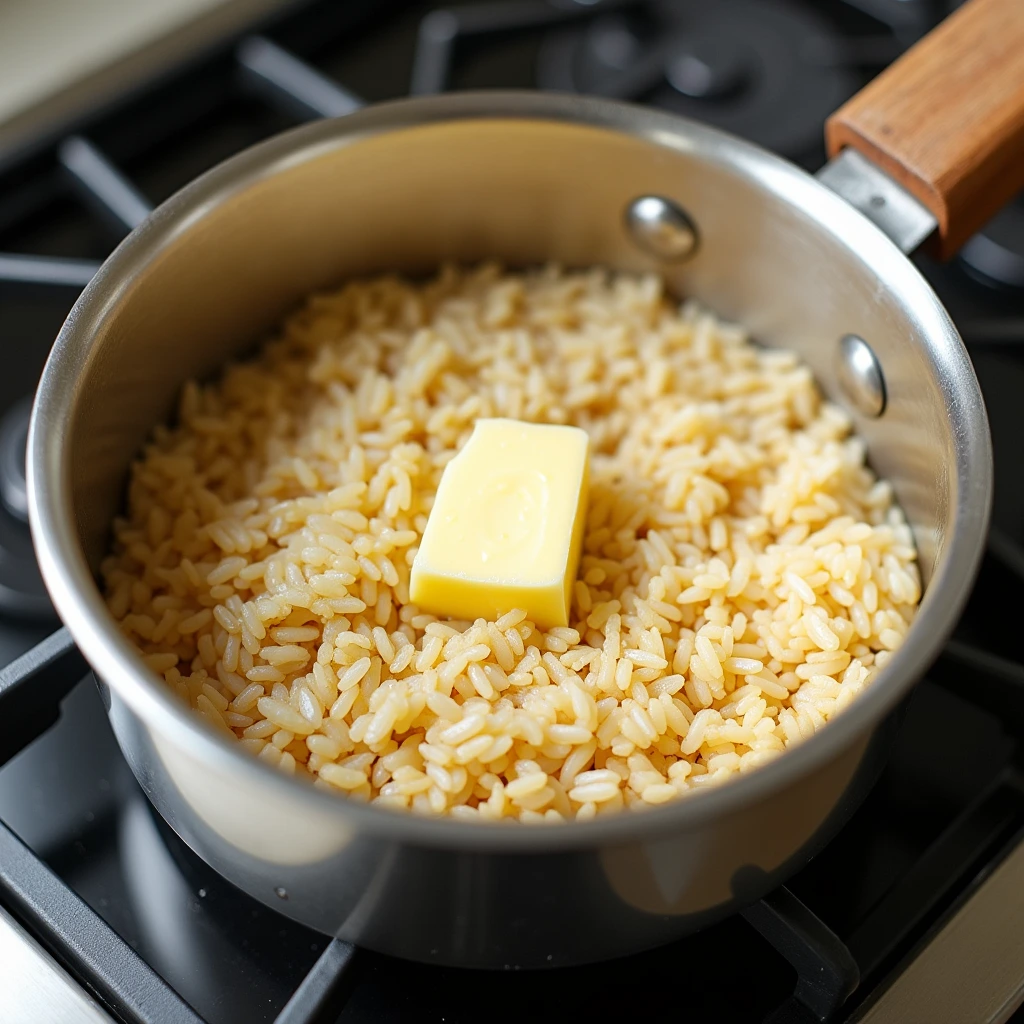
661 228
103 184
973 970
885 203
294 81
34 989
49 270
404 186
859 375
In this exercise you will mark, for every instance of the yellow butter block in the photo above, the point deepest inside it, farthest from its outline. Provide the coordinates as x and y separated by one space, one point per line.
506 528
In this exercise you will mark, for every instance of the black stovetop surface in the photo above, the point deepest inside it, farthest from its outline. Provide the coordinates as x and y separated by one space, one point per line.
949 801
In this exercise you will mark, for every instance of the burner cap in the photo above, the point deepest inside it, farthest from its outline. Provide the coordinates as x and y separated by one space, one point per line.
22 594
996 254
707 67
771 72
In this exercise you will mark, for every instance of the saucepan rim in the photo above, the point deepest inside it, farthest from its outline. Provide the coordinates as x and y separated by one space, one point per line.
79 603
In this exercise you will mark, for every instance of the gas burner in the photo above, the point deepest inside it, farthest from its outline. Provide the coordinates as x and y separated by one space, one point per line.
996 254
22 593
771 73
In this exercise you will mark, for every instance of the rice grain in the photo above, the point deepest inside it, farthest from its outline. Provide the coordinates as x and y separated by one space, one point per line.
744 575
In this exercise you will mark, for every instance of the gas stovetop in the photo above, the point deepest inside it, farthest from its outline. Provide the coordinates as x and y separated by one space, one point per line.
911 913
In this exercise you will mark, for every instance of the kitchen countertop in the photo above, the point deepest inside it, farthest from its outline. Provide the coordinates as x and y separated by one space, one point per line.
60 57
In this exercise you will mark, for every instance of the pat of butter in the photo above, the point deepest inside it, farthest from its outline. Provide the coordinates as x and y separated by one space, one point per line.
506 528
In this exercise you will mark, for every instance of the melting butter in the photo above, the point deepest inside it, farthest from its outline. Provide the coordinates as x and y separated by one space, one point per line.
506 528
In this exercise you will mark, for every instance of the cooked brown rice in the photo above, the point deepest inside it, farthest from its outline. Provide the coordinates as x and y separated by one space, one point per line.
744 574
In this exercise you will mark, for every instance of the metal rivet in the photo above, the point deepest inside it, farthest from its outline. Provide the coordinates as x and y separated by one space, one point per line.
281 892
662 228
860 376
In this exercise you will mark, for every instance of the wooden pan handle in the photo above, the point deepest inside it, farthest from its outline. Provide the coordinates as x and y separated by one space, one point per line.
947 119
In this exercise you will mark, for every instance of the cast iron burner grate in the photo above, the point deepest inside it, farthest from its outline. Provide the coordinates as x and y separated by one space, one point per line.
697 58
769 72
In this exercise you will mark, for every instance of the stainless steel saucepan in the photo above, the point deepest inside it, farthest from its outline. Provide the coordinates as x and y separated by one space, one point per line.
527 178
